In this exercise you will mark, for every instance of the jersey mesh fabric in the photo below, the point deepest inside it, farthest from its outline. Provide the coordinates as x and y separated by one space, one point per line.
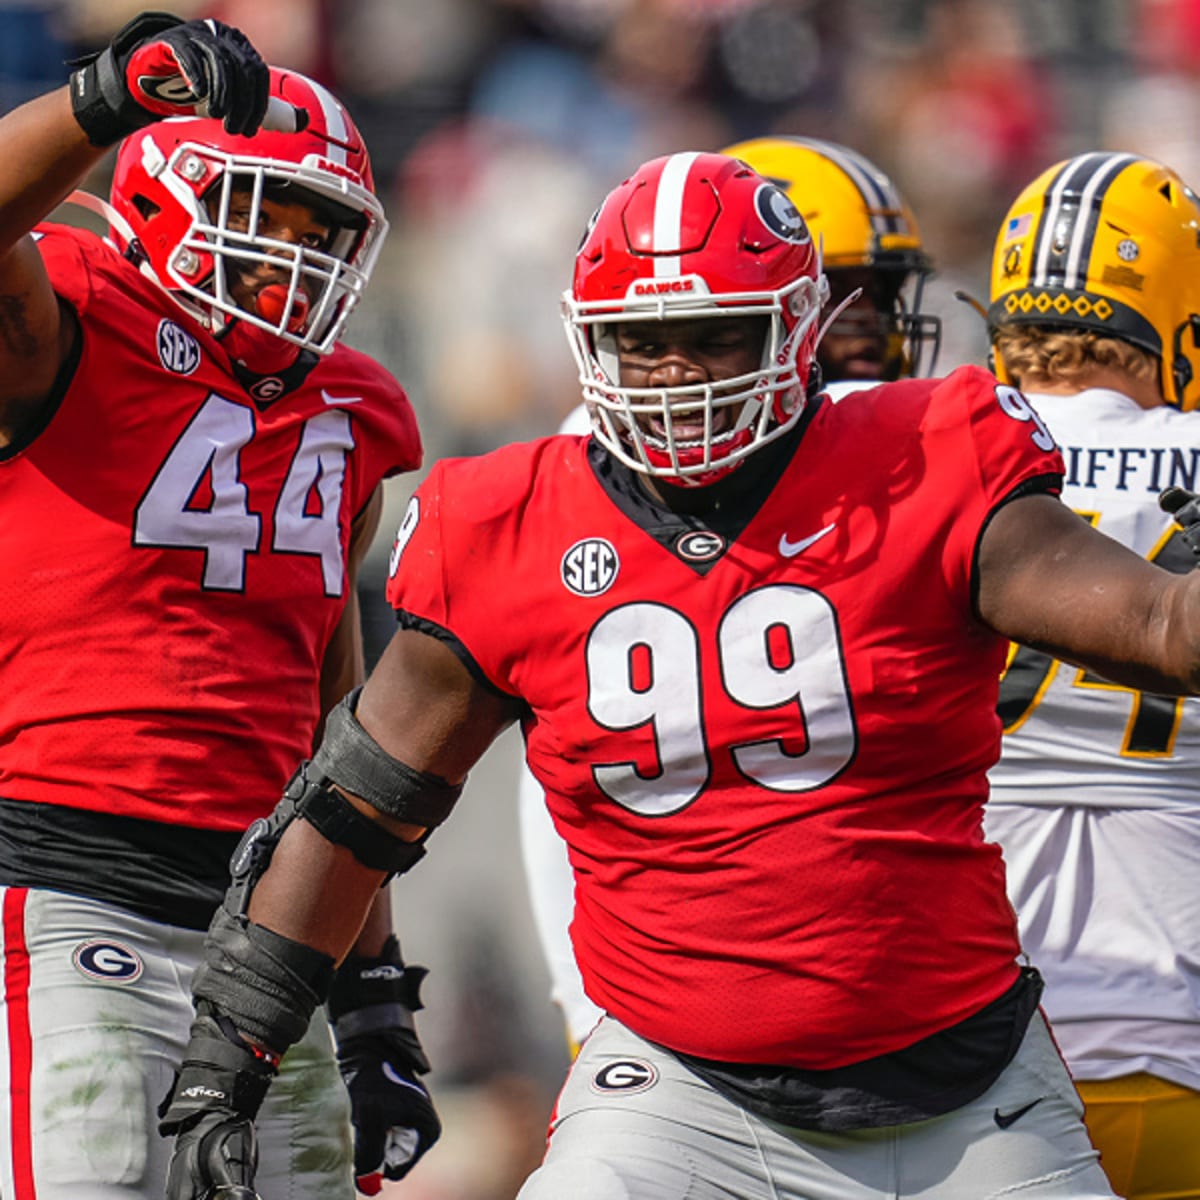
761 768
179 562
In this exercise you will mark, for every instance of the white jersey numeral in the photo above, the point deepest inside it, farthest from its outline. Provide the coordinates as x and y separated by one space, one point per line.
665 697
175 512
1016 406
812 678
778 648
320 466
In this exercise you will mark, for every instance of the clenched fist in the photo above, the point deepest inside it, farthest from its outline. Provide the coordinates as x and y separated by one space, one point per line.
161 66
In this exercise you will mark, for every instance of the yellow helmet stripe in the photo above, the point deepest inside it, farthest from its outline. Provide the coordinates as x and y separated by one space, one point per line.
1067 230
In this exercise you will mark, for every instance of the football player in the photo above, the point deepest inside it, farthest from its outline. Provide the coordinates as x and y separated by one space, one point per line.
871 245
1095 309
753 640
190 474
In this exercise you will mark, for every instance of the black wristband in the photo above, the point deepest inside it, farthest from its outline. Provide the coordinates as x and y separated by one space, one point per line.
372 1000
100 99
378 980
217 1073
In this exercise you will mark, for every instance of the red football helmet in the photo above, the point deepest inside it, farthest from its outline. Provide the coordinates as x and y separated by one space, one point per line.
170 204
687 236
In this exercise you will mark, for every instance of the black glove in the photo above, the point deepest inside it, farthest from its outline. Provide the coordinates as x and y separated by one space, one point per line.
371 1005
215 1159
211 1108
1184 506
161 66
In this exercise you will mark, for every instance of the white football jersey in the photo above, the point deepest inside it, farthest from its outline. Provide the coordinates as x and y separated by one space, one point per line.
1096 798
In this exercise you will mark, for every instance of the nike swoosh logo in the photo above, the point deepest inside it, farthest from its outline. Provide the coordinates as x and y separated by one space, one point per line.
390 1074
339 399
791 549
1004 1120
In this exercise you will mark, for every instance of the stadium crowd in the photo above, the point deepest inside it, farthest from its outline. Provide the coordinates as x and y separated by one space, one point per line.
493 126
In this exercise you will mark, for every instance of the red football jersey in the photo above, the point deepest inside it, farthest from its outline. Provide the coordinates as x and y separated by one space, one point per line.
173 559
766 746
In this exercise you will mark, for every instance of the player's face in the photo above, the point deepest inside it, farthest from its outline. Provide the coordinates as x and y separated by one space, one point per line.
291 222
858 345
682 353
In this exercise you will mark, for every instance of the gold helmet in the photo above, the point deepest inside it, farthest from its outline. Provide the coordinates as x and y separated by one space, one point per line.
1108 243
869 239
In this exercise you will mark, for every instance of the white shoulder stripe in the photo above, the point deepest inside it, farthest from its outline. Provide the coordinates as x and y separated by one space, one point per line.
877 191
1053 206
668 212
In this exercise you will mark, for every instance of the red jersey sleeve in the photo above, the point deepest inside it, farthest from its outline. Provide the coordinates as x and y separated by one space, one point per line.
455 559
416 575
984 439
68 253
387 441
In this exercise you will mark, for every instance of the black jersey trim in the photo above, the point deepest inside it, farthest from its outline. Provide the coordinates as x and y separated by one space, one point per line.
173 874
723 509
934 1076
407 620
288 380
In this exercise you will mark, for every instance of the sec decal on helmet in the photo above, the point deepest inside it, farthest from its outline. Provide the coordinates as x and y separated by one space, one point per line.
1108 243
694 236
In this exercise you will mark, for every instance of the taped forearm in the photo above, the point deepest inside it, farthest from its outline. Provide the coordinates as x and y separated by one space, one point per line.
267 985
255 993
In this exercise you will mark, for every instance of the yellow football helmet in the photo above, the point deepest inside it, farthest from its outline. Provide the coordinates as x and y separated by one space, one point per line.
869 239
1108 243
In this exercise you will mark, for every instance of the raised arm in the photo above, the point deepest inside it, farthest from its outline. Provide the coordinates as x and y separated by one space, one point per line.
1049 580
50 143
47 154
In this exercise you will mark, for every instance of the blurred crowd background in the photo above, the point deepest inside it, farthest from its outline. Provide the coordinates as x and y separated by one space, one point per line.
495 128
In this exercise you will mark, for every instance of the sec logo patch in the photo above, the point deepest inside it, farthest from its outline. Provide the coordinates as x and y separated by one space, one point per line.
590 567
109 961
178 351
625 1076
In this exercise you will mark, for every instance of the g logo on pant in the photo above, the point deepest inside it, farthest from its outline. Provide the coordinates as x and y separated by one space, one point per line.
625 1075
110 961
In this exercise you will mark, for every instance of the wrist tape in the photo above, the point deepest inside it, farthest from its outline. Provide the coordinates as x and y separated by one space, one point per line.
266 984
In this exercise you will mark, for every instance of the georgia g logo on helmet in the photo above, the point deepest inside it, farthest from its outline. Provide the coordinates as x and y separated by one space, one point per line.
777 212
